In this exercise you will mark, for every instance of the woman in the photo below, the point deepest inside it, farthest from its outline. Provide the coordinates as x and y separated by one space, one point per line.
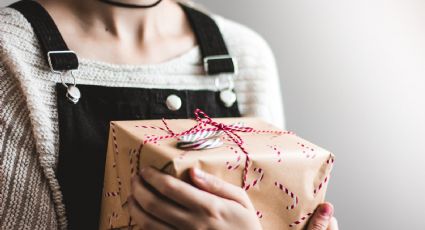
131 59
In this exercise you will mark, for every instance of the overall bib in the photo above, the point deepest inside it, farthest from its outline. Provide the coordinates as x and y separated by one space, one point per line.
84 122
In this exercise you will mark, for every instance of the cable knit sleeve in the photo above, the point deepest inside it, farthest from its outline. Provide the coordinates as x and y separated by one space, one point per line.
24 195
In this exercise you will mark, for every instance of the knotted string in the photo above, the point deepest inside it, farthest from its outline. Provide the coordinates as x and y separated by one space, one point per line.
207 124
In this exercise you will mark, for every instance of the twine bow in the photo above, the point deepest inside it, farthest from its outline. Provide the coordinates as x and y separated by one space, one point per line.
231 132
206 123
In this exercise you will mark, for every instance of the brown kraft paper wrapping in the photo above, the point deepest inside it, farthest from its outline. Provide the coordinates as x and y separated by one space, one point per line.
291 173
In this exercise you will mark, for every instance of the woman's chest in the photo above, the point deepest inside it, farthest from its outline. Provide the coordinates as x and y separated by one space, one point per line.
83 131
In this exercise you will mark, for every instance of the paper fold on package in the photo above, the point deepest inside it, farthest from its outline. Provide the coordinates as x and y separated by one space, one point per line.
287 175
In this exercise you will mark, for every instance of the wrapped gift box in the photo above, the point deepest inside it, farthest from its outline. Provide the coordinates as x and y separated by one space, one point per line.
286 176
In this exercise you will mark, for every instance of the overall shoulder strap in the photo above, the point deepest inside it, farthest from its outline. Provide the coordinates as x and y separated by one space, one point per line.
216 58
57 54
215 55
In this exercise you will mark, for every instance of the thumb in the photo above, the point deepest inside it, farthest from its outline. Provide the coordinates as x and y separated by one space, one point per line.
321 217
219 187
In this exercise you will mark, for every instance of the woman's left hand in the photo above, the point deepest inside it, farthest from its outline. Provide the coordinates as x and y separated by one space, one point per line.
323 218
212 204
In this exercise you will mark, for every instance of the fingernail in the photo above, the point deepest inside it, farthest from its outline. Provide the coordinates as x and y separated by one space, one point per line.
199 173
326 210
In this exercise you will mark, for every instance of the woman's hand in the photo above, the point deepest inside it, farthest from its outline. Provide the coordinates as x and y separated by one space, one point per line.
215 205
323 219
160 201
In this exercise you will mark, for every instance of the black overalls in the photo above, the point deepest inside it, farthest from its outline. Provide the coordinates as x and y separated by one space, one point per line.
84 123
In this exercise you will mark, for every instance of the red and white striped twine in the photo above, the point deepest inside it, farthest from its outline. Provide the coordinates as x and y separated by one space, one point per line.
119 183
299 221
111 194
130 154
235 165
330 163
137 155
230 130
277 151
114 137
133 154
151 127
320 186
294 197
307 150
260 177
273 132
115 142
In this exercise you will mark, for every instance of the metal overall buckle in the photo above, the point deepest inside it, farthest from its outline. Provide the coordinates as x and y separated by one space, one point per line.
227 95
72 92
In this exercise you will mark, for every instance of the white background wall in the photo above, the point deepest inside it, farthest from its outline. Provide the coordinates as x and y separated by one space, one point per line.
353 81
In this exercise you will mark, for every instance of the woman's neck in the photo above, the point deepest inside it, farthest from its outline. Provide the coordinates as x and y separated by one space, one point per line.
122 23
125 32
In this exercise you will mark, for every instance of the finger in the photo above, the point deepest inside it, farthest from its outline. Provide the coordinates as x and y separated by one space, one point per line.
333 225
219 187
180 192
321 217
142 219
161 208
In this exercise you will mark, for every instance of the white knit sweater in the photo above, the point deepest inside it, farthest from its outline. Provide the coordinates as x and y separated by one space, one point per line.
30 196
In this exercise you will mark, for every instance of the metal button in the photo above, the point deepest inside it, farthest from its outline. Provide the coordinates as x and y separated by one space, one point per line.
73 94
173 102
228 97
